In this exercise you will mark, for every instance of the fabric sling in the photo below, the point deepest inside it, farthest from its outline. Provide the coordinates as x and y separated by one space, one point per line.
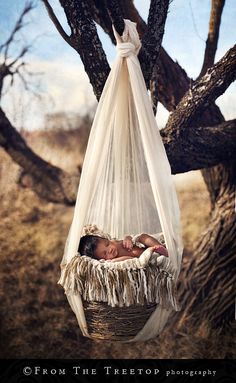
126 184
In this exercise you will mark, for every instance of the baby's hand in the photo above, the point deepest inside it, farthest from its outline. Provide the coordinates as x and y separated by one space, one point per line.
160 250
127 243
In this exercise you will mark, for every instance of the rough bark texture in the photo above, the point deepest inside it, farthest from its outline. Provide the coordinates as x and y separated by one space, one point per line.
57 185
87 42
196 108
200 147
152 38
115 14
203 93
208 282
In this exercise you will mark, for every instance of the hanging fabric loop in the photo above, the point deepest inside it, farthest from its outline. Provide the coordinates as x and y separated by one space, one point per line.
129 43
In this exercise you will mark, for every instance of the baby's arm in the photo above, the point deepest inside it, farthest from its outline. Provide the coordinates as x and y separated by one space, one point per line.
128 243
122 258
149 241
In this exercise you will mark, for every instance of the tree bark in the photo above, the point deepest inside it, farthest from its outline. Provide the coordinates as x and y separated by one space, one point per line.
87 43
152 38
200 147
203 93
207 286
48 181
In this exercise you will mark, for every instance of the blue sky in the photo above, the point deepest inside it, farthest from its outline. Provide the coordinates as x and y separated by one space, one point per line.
64 77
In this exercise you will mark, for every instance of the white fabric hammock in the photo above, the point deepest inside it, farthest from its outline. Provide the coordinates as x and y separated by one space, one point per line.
126 184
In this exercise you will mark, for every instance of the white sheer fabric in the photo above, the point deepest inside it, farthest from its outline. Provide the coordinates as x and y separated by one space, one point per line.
126 184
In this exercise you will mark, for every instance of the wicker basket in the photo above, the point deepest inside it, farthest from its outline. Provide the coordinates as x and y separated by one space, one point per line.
115 323
120 315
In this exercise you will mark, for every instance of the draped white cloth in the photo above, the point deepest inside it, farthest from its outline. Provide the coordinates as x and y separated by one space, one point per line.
126 184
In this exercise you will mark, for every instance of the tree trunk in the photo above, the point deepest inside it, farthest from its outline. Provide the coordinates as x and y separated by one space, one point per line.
208 282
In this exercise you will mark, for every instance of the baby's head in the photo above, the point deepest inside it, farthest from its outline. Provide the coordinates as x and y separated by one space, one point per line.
88 245
97 247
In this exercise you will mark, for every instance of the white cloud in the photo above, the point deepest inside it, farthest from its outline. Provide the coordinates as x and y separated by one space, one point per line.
65 88
68 85
227 102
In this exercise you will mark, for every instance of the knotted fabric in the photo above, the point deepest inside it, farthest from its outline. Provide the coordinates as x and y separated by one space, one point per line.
126 49
129 43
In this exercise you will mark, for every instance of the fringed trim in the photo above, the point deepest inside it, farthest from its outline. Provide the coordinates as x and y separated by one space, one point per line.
119 286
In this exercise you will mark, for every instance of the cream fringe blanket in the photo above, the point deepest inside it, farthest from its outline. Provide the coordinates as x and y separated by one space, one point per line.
143 280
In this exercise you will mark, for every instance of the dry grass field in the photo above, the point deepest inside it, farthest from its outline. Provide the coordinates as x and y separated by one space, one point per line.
36 320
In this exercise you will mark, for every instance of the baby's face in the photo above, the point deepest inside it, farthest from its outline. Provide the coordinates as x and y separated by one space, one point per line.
106 249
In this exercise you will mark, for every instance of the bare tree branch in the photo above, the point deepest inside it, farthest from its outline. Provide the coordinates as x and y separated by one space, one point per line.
201 146
23 52
203 93
102 17
87 42
116 16
152 39
9 66
57 24
4 72
48 181
19 25
213 35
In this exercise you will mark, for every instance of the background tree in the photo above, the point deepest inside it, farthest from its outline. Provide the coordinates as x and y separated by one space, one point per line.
195 137
46 180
